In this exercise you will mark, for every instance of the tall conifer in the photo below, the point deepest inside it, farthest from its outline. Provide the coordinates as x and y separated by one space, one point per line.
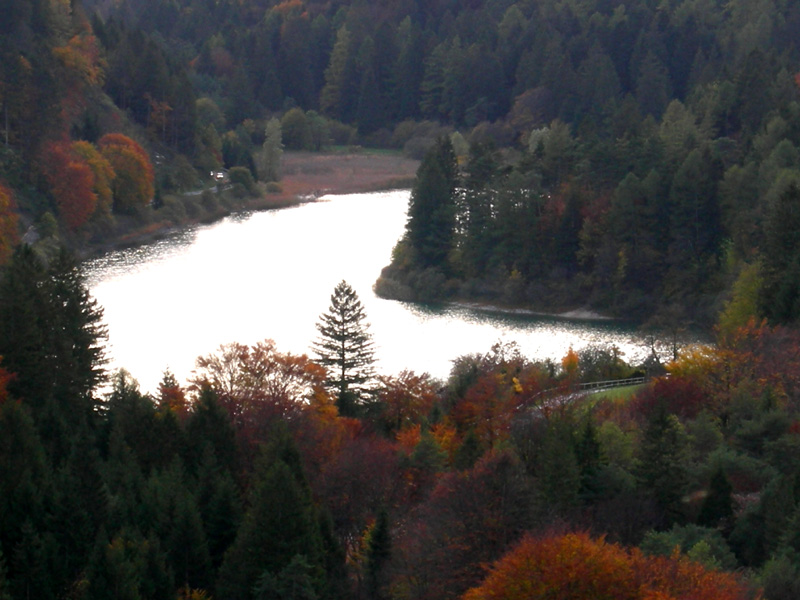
346 348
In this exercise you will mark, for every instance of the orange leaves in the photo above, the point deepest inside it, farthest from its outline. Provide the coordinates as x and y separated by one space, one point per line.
82 179
134 185
407 399
409 437
570 363
755 354
81 55
71 182
257 383
576 567
103 173
82 69
9 234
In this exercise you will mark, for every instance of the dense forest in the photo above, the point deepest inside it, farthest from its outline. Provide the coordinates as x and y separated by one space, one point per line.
276 476
642 159
632 157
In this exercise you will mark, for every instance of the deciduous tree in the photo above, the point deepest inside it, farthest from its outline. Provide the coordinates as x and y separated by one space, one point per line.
258 385
71 182
576 567
133 186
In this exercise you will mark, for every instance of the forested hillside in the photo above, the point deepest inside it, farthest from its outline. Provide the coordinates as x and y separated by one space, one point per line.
642 158
274 476
633 156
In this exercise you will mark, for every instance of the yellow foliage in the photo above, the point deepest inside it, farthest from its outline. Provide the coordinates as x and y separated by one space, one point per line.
81 55
445 435
743 305
570 362
695 361
103 173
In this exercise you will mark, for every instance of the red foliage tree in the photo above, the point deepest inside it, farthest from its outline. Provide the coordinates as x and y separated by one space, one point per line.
258 385
356 482
406 398
71 182
681 396
575 567
470 519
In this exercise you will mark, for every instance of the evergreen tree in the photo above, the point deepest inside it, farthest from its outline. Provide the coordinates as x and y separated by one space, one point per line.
50 337
273 151
345 346
664 464
5 594
432 207
209 429
23 475
279 525
379 551
560 474
468 452
781 292
220 506
32 562
294 582
718 505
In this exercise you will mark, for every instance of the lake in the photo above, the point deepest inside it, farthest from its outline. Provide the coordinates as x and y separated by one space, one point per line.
271 274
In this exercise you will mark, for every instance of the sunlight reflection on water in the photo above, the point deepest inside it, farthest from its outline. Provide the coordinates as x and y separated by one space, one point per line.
270 275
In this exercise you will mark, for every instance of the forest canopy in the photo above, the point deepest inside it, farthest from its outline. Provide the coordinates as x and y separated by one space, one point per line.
630 157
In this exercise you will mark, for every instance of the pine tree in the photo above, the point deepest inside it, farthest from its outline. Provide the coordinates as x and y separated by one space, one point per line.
279 526
718 505
5 594
273 151
379 551
664 464
346 348
51 338
432 208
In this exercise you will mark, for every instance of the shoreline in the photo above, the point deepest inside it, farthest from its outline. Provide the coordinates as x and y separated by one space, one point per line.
577 314
307 177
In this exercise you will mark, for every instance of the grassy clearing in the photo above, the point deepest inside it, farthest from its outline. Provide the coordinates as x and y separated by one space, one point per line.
618 394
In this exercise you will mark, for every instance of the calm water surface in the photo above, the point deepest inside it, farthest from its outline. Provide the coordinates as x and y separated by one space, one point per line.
271 274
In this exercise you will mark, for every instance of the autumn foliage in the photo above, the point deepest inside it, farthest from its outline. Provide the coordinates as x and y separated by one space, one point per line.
102 170
258 385
82 70
134 184
575 567
8 223
71 182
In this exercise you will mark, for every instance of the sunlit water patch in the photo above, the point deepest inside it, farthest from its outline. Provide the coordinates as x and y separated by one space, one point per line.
270 275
